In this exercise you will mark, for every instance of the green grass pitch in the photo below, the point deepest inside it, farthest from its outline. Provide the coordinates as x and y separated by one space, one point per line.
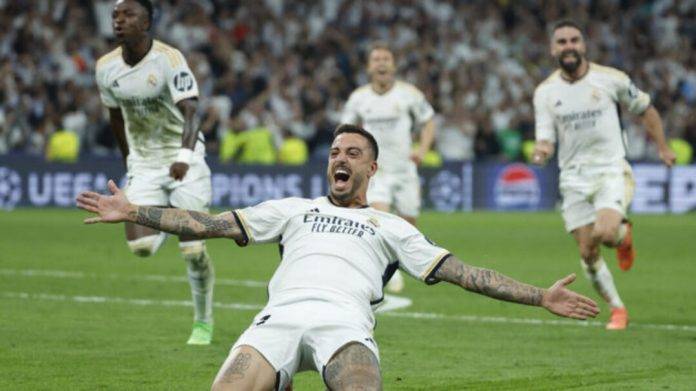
79 312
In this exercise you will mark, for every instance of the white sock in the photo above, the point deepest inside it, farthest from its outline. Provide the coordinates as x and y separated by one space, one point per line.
201 276
147 245
623 228
603 282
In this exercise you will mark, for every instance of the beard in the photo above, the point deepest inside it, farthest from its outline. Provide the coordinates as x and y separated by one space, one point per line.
349 194
342 197
570 67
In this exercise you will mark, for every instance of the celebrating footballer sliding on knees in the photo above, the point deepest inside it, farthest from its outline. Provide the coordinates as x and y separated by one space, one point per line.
337 252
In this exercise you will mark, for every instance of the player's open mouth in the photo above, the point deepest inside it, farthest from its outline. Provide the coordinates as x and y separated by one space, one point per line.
572 54
341 176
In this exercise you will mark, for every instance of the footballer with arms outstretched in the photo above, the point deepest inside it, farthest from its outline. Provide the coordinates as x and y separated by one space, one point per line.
390 109
576 108
336 251
152 97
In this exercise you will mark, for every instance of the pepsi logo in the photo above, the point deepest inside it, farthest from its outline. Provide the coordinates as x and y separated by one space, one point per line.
517 187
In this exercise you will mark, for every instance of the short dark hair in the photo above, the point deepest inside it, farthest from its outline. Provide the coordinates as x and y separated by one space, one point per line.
147 4
380 45
348 128
567 23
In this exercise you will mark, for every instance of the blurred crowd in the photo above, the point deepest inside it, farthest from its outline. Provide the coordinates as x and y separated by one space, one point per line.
285 68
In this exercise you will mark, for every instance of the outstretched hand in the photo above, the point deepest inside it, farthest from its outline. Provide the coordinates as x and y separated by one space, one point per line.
564 302
110 208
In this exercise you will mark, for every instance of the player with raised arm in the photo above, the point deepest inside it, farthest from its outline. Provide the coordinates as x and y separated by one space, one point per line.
336 251
152 97
576 107
390 109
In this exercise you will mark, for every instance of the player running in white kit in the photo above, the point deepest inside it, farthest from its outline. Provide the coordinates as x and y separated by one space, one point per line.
152 96
576 107
390 109
336 253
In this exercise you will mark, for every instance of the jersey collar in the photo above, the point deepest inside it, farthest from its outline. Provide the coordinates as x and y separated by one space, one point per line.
147 54
331 201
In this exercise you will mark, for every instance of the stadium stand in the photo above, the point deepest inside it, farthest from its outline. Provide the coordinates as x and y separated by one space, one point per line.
477 62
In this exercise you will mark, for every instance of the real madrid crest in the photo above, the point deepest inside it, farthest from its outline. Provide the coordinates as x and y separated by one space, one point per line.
152 80
596 97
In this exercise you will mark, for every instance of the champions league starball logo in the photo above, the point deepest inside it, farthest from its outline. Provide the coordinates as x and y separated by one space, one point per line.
445 191
517 187
10 188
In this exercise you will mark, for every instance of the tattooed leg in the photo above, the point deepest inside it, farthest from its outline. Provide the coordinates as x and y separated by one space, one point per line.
353 367
245 369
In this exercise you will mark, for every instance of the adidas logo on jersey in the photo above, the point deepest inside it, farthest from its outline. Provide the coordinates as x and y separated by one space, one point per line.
558 103
315 210
115 84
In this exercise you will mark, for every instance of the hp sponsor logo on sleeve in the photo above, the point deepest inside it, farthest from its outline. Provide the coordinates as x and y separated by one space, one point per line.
183 81
10 188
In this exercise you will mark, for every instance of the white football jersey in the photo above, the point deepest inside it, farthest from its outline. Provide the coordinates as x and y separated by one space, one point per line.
390 118
147 94
337 254
583 116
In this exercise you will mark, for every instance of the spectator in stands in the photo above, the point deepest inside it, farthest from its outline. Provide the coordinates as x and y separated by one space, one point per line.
306 56
63 146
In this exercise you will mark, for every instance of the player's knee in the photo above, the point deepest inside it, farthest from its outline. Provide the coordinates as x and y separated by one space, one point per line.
354 367
605 235
357 379
147 245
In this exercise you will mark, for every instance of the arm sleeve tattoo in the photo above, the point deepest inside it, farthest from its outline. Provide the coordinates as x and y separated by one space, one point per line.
186 222
488 282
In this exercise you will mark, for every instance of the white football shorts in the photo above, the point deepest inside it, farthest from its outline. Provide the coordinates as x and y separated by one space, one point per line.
586 189
305 335
154 187
400 190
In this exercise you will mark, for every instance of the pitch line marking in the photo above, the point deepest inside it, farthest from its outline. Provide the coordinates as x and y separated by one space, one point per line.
145 277
390 302
409 315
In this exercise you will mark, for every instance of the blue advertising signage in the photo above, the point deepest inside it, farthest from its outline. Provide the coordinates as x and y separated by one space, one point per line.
515 186
31 182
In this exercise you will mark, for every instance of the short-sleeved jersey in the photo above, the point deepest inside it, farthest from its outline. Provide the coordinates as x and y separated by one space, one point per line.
583 116
147 94
390 117
337 254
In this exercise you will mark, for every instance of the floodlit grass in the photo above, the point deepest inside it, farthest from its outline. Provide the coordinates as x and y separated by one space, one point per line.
71 319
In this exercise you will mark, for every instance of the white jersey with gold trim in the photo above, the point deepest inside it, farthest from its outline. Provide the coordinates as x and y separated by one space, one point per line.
147 94
336 254
390 118
583 116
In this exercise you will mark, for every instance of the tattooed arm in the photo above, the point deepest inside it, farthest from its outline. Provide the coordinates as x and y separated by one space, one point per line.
186 222
488 282
116 208
556 299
